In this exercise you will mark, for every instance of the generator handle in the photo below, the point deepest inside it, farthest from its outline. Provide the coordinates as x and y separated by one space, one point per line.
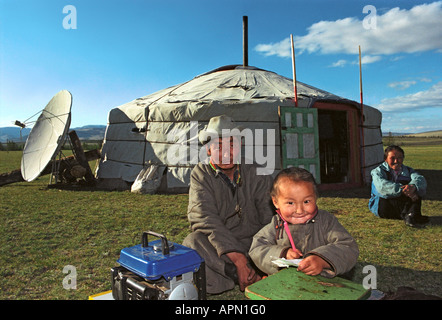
164 244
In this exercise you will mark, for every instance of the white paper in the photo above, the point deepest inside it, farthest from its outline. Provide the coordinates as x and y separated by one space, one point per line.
284 263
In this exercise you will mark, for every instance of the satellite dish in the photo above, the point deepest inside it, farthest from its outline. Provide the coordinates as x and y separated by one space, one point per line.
47 135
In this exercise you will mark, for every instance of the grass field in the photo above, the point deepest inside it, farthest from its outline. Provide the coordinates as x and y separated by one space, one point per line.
42 230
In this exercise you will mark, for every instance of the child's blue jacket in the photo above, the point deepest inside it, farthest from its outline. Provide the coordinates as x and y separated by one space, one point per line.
384 186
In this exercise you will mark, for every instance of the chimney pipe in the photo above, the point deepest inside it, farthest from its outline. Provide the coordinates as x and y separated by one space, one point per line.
245 41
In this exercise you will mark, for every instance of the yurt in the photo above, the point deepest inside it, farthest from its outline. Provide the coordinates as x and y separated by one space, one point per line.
157 135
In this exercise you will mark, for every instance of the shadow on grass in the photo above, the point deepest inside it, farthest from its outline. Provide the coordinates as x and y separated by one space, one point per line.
435 221
389 278
434 183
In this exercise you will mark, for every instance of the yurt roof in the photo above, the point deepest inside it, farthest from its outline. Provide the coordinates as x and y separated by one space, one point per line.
236 82
232 84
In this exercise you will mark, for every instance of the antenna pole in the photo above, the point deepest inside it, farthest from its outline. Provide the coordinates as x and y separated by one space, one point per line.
360 79
245 41
294 70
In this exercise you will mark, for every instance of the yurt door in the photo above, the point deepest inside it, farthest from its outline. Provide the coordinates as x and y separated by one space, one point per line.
300 142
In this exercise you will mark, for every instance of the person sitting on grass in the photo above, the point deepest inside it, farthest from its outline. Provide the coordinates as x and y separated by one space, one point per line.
397 190
301 230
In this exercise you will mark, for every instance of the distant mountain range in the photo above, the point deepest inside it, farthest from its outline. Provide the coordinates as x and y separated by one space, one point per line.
436 133
90 132
394 134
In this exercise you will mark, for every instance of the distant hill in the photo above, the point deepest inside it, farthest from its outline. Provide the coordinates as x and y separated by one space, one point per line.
13 134
437 133
89 132
394 134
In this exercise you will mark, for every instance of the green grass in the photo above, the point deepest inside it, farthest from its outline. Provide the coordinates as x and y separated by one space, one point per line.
42 230
412 140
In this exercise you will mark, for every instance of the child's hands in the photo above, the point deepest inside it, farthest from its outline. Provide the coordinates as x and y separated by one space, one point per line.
292 254
313 265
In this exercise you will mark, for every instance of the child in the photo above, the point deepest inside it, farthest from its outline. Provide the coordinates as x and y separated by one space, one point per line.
300 230
397 190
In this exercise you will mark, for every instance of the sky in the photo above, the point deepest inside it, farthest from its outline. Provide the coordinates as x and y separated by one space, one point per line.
107 53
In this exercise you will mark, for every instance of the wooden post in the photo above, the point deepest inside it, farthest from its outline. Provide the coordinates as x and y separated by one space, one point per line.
79 155
245 41
294 70
360 80
362 119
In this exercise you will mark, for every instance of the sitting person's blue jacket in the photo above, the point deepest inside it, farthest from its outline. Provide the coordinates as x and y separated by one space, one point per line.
384 186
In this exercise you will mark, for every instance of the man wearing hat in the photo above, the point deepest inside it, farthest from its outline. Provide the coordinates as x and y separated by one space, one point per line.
228 203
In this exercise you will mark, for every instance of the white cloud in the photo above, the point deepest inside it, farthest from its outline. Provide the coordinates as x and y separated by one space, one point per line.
411 123
369 59
397 58
339 63
364 60
431 98
402 85
280 49
396 31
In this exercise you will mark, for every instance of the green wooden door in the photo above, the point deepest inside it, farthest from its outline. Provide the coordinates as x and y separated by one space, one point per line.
300 140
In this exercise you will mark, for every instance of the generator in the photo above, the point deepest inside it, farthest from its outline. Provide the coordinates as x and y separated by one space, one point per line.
158 270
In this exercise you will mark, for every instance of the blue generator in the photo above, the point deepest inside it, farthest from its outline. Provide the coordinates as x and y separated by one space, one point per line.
159 270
